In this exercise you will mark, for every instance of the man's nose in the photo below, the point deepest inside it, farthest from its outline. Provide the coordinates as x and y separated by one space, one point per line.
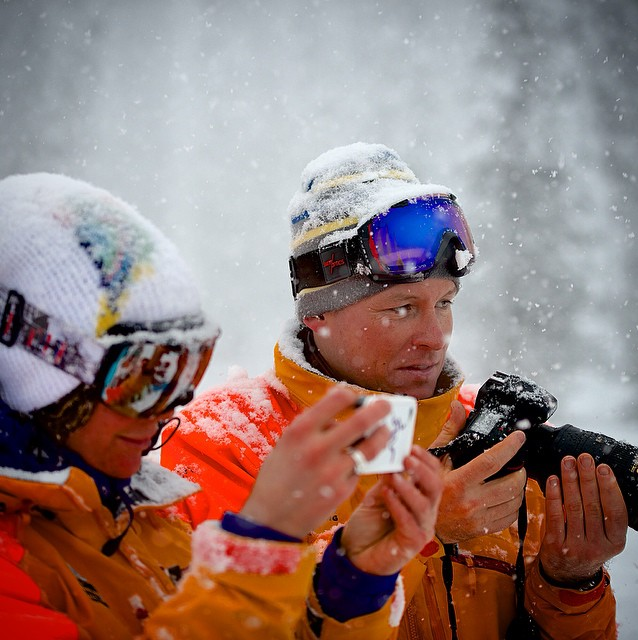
430 333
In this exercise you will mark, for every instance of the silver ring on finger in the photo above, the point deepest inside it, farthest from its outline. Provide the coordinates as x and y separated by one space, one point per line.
357 458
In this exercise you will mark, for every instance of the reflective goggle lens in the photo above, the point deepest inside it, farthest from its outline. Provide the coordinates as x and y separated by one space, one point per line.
144 379
408 238
399 245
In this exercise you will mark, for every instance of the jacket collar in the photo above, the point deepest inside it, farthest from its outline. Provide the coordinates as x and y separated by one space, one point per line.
35 470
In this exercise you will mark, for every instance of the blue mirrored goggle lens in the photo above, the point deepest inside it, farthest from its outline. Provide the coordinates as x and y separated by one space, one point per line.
407 238
146 379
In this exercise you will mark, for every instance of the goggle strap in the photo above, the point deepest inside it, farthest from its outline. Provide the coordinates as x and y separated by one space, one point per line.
46 338
89 361
340 260
13 309
321 267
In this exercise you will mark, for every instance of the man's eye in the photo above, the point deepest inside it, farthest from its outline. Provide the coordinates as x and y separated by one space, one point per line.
402 311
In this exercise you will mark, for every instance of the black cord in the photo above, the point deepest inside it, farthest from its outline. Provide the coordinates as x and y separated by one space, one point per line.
160 428
448 576
520 558
113 544
523 626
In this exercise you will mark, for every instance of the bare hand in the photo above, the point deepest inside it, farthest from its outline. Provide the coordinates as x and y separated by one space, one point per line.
586 521
396 518
453 426
470 506
309 474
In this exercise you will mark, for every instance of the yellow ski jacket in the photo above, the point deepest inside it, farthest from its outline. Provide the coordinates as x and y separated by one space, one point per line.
228 431
56 582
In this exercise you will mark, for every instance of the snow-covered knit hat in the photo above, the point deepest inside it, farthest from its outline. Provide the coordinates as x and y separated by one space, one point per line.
341 189
87 258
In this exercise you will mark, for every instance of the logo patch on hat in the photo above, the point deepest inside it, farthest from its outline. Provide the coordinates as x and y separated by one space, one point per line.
334 264
302 216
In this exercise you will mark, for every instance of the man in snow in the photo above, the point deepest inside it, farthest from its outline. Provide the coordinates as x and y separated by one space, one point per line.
376 258
94 304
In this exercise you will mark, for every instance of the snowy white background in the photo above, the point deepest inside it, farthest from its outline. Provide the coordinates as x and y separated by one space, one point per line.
204 113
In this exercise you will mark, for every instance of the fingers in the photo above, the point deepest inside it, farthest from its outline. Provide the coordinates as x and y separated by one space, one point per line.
321 436
421 491
374 443
453 426
424 468
470 506
425 471
614 507
501 500
603 509
573 506
506 491
554 513
593 500
320 416
412 513
492 460
413 501
358 425
572 500
583 499
586 519
592 508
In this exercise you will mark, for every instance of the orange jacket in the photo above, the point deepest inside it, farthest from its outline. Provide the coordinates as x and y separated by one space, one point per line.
55 582
228 431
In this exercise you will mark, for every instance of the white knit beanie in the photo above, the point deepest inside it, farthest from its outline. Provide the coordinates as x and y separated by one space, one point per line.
341 189
87 258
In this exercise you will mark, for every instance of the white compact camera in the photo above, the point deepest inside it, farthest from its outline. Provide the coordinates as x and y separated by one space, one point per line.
400 421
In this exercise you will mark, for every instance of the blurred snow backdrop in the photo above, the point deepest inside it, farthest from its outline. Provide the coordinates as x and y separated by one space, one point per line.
204 113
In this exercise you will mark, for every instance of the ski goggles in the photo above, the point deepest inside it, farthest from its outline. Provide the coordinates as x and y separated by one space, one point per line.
401 244
137 370
154 372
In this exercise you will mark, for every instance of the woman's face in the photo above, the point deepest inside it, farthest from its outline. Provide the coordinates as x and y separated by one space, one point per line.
113 443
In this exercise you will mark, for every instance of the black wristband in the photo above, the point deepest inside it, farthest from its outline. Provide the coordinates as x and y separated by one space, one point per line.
587 584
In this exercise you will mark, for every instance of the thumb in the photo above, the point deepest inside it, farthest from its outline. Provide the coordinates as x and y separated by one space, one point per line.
453 426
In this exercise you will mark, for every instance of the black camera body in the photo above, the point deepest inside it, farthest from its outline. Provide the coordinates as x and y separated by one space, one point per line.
506 403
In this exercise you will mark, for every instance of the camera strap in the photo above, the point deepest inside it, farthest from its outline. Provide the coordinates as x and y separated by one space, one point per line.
447 572
523 626
520 558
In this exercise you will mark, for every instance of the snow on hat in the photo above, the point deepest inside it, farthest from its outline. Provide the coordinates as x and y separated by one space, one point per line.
341 189
87 258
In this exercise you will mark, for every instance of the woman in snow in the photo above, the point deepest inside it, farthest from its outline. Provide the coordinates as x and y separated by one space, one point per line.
101 337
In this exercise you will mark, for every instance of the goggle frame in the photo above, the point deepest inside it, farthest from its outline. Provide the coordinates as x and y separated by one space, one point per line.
95 361
355 255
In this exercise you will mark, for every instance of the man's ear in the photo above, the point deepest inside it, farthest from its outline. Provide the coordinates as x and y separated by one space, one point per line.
314 323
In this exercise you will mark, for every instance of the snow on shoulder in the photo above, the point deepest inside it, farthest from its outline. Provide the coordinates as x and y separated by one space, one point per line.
159 486
234 410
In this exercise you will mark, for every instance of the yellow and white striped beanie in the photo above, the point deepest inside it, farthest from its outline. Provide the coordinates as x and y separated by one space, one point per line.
340 190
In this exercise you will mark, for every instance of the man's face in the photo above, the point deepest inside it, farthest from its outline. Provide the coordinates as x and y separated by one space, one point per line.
394 341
